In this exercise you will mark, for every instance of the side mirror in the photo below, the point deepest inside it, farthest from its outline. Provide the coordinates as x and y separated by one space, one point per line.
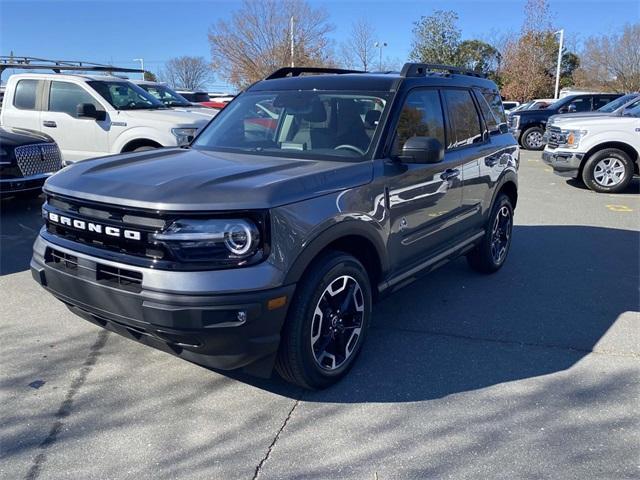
422 150
572 108
88 110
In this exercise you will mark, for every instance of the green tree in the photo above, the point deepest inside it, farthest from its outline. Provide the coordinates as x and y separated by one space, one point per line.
150 76
478 55
436 38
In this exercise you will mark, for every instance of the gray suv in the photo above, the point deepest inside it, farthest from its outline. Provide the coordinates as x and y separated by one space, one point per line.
266 241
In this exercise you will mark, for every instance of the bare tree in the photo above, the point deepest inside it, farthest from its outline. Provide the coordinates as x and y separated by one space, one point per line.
256 41
190 73
359 50
611 62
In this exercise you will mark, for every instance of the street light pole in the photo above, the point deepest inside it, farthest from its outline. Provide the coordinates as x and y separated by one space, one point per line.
141 60
291 29
561 32
380 45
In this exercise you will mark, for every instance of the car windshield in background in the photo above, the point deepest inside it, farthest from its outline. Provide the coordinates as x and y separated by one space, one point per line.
167 96
634 111
125 95
617 103
304 124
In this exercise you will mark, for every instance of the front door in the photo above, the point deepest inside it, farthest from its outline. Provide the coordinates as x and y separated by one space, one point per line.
424 199
77 138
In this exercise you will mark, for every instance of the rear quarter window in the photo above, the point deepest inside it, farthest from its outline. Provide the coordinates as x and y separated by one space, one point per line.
492 108
25 94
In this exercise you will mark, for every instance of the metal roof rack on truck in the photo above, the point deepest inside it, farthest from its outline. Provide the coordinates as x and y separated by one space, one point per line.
297 71
422 69
33 63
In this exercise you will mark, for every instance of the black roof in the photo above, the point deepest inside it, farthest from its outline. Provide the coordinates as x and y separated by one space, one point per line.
335 79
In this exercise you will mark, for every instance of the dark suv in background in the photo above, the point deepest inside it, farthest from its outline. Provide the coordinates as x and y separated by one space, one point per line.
266 242
528 126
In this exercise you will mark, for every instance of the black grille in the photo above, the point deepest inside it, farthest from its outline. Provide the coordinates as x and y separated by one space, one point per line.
38 158
554 137
119 278
61 260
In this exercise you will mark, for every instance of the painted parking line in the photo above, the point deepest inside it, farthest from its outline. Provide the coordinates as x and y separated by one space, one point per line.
619 208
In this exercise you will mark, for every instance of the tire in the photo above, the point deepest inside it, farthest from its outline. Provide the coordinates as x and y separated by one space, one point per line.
144 148
489 256
301 360
532 138
608 171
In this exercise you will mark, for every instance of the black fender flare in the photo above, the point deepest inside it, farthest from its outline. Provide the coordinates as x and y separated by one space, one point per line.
344 228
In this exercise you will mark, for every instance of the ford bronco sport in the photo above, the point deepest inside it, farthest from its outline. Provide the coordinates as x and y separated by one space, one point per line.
265 241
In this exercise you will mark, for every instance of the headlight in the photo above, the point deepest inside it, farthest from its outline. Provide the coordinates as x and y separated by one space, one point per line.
226 242
514 121
571 138
184 135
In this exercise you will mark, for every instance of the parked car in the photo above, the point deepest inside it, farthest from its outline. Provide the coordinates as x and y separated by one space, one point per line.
202 98
174 100
508 106
528 126
94 115
619 106
603 151
27 159
254 248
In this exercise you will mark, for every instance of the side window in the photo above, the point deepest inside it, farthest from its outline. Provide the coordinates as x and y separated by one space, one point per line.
492 109
25 95
421 116
582 104
464 118
601 102
65 97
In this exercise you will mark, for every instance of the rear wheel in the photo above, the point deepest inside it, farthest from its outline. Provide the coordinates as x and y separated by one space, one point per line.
532 138
327 322
608 171
491 253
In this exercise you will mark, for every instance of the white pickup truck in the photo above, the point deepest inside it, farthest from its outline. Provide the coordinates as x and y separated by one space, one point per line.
603 151
94 115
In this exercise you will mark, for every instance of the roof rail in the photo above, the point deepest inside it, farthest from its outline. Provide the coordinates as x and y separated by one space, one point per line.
421 69
33 63
297 71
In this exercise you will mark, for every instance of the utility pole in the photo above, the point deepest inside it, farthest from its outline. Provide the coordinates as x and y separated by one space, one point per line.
561 32
291 31
380 45
141 60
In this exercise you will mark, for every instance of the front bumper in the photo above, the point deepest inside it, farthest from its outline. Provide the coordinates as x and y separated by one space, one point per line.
10 186
223 331
564 163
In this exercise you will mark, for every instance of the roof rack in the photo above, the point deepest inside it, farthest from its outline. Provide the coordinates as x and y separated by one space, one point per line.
422 69
297 71
33 63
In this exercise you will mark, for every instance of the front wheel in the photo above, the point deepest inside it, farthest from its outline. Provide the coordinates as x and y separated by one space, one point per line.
491 253
532 138
327 322
608 171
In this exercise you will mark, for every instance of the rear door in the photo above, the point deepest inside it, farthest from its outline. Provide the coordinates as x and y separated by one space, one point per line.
22 108
77 138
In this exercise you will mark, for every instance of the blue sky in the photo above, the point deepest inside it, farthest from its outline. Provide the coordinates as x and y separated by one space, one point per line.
119 31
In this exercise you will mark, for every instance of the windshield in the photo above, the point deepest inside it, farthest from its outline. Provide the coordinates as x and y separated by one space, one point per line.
522 106
302 124
125 95
633 111
166 95
617 103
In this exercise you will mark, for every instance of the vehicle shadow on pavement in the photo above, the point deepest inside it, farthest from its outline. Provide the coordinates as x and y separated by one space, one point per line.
555 301
20 222
632 189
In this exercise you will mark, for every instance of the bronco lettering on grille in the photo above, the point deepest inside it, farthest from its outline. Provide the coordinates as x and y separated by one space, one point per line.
94 227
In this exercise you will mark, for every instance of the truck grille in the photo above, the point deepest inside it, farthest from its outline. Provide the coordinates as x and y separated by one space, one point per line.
38 158
554 137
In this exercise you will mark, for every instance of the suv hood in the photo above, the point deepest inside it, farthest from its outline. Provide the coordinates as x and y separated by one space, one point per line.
194 180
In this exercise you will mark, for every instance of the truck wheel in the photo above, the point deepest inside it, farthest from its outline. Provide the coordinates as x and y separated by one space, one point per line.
532 138
490 255
327 322
608 171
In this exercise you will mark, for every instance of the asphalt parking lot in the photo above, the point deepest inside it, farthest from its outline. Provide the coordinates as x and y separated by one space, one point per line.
530 373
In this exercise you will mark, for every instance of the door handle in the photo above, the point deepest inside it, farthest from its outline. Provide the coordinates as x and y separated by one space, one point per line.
450 174
49 123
